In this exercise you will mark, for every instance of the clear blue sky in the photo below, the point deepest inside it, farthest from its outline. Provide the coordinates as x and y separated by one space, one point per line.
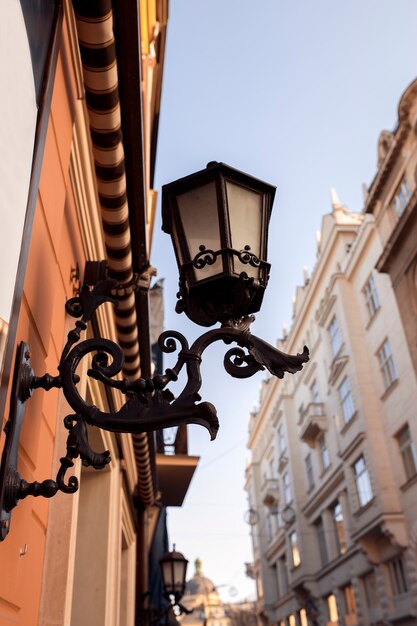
296 93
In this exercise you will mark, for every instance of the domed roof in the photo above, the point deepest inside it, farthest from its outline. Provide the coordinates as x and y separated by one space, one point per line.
199 584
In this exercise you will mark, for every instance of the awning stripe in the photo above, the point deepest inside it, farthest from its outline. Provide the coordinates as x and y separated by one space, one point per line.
98 54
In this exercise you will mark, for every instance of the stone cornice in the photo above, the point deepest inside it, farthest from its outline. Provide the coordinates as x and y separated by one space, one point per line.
385 170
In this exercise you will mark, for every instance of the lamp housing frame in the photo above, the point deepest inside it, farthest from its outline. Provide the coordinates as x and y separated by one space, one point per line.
238 287
171 558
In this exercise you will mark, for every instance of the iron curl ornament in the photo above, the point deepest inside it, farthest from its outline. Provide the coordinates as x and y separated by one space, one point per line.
150 405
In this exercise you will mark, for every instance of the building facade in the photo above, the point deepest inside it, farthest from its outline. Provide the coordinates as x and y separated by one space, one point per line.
207 608
88 138
333 477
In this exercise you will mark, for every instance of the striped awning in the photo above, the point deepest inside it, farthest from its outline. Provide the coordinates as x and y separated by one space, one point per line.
97 46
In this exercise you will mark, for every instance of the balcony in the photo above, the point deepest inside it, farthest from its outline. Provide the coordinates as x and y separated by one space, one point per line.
270 494
174 466
250 570
314 422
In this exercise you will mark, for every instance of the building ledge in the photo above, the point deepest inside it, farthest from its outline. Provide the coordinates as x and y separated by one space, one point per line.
390 389
409 483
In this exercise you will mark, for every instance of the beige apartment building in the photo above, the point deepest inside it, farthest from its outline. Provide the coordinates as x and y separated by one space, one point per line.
332 484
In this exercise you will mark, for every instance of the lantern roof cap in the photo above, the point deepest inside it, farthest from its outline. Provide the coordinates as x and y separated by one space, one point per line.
214 169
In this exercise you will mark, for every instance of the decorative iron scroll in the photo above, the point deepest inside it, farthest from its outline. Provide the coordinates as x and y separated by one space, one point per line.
150 405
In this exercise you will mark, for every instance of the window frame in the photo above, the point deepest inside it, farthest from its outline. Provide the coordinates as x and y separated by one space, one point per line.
286 488
324 452
370 294
295 549
346 401
321 540
386 364
282 442
398 576
339 525
407 451
308 462
363 483
315 392
401 197
335 336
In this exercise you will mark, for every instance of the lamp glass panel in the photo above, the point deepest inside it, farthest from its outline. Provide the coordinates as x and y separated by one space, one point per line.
245 219
199 216
179 573
167 575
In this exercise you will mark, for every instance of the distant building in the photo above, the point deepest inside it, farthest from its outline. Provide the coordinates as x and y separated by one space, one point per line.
392 200
202 596
332 483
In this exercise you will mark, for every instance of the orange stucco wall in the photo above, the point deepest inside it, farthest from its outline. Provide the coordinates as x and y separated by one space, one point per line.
55 247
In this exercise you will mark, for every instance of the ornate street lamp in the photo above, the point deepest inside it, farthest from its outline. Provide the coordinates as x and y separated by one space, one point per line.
174 572
218 220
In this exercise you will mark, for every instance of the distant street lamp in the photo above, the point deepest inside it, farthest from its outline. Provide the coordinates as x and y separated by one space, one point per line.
174 572
173 566
218 220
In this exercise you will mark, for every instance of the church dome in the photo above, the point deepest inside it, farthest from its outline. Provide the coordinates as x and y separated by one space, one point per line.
199 584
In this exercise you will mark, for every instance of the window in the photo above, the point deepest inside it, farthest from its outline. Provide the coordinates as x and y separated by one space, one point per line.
371 591
363 483
324 452
371 296
321 537
408 452
332 608
283 575
346 400
349 599
282 444
314 392
268 524
397 576
386 364
339 527
295 551
401 198
287 488
303 617
259 587
335 339
309 470
291 620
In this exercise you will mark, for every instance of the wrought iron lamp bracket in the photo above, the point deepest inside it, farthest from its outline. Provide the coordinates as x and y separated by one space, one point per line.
149 406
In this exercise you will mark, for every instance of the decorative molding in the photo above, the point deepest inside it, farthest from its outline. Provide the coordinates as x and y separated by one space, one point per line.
383 173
